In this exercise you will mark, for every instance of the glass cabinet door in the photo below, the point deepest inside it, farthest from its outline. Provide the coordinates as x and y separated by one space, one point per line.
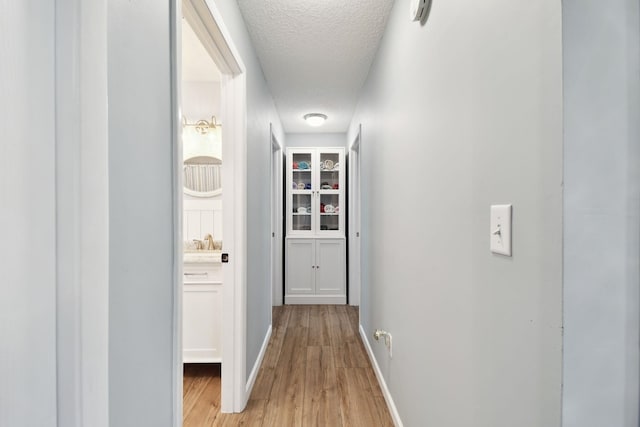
301 215
301 204
330 192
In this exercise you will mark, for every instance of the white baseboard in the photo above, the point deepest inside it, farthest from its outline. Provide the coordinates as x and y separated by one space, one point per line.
395 416
315 299
256 367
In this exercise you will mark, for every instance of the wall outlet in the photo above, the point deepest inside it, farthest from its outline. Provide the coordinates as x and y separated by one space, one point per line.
388 340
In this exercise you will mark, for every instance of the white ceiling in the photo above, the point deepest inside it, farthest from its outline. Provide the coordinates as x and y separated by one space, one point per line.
315 54
197 65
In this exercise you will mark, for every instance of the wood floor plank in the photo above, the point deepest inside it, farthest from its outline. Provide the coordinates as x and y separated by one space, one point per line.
384 415
359 408
321 403
253 416
207 405
284 407
319 326
264 383
196 380
354 317
315 373
336 336
373 381
278 332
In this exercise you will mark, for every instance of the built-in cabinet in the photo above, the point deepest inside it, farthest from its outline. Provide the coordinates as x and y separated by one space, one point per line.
315 211
202 309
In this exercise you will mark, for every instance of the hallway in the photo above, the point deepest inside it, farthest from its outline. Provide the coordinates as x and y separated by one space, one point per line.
315 373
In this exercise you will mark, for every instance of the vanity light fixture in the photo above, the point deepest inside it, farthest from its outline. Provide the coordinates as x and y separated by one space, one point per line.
202 126
315 119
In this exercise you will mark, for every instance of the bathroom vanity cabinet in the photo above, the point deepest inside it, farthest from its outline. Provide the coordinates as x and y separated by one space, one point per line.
315 249
202 308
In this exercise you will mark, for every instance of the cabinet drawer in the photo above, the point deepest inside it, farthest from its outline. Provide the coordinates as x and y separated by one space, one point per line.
202 273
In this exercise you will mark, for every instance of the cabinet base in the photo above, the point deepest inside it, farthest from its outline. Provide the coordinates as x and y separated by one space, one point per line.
315 299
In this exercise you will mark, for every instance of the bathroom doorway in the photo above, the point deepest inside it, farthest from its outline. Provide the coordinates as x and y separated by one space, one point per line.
210 310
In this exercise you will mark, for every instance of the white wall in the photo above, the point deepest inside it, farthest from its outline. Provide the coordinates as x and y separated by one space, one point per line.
53 208
601 49
459 114
261 112
141 285
316 140
27 215
200 100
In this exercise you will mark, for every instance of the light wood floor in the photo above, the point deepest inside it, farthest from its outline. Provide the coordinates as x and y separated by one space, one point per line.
315 373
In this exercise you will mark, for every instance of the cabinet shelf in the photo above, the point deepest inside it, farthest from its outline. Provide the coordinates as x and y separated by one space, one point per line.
301 214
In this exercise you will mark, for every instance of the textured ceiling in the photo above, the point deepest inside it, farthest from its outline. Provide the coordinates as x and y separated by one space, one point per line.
197 65
315 54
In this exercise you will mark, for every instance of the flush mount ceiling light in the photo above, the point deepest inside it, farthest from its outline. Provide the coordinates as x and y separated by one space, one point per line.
315 119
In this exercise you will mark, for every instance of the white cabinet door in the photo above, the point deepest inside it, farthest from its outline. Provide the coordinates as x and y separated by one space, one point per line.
330 267
300 266
316 271
202 314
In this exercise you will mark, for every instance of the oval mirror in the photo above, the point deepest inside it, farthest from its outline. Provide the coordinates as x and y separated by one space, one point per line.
203 176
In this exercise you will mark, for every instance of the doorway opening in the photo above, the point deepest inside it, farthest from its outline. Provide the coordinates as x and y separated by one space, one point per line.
355 280
277 220
210 174
203 235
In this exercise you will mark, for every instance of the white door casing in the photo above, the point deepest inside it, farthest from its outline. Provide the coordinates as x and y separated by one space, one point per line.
206 21
355 277
276 219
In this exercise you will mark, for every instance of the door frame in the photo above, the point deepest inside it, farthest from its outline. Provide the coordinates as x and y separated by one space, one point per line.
207 23
277 186
82 206
355 269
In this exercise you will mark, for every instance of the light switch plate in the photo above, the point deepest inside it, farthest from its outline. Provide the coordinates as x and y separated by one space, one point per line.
500 236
